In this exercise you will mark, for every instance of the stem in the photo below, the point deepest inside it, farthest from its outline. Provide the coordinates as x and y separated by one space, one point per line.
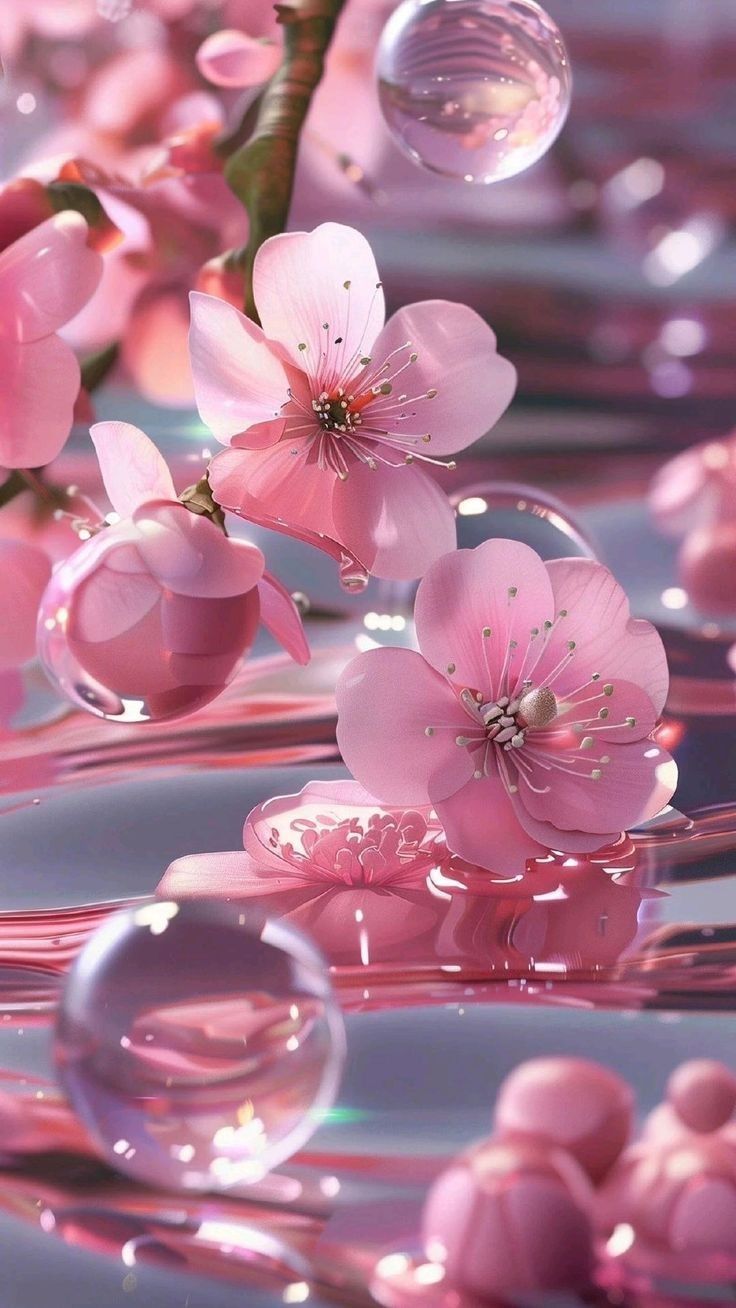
97 366
261 172
13 485
199 499
31 479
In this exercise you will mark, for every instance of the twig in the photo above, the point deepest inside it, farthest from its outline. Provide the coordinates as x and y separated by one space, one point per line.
261 172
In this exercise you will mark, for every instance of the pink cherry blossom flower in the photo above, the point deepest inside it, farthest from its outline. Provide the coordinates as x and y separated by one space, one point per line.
172 222
350 871
160 607
335 832
331 834
526 718
46 277
332 418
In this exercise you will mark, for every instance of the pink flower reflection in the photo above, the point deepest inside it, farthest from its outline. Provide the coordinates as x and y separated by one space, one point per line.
351 872
525 720
333 417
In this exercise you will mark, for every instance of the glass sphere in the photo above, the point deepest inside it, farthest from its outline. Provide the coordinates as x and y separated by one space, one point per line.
122 645
473 89
197 1043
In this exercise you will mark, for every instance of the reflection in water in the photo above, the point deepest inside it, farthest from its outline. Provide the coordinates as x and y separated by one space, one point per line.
435 921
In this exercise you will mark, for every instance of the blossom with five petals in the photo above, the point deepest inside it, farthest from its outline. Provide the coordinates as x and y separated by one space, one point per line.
332 417
526 718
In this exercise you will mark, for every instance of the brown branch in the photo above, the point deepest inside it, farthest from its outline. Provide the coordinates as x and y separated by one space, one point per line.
261 172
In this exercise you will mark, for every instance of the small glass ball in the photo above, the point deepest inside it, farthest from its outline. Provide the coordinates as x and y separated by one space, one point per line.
198 1044
477 90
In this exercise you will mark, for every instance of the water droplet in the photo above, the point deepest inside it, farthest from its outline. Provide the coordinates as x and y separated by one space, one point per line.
122 647
210 1075
353 576
474 89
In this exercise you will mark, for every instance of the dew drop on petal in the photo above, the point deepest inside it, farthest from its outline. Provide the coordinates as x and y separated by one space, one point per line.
353 576
192 1075
477 90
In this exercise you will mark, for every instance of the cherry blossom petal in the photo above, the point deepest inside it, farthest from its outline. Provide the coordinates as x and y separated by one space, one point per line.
24 573
636 782
197 875
482 827
607 639
238 378
232 58
274 489
39 383
133 470
567 842
47 276
192 556
470 591
281 616
396 521
302 280
457 357
387 699
623 715
109 605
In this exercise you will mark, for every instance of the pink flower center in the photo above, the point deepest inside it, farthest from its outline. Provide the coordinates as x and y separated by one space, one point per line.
359 411
522 727
379 849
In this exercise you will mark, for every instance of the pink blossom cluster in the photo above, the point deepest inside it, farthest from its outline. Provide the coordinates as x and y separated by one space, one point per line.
526 719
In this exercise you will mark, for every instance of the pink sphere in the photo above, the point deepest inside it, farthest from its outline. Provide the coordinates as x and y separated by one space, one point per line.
151 617
678 1197
510 1218
703 1093
570 1103
707 563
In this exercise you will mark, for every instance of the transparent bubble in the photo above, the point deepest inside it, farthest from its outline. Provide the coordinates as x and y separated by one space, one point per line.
525 513
473 89
124 647
199 1045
